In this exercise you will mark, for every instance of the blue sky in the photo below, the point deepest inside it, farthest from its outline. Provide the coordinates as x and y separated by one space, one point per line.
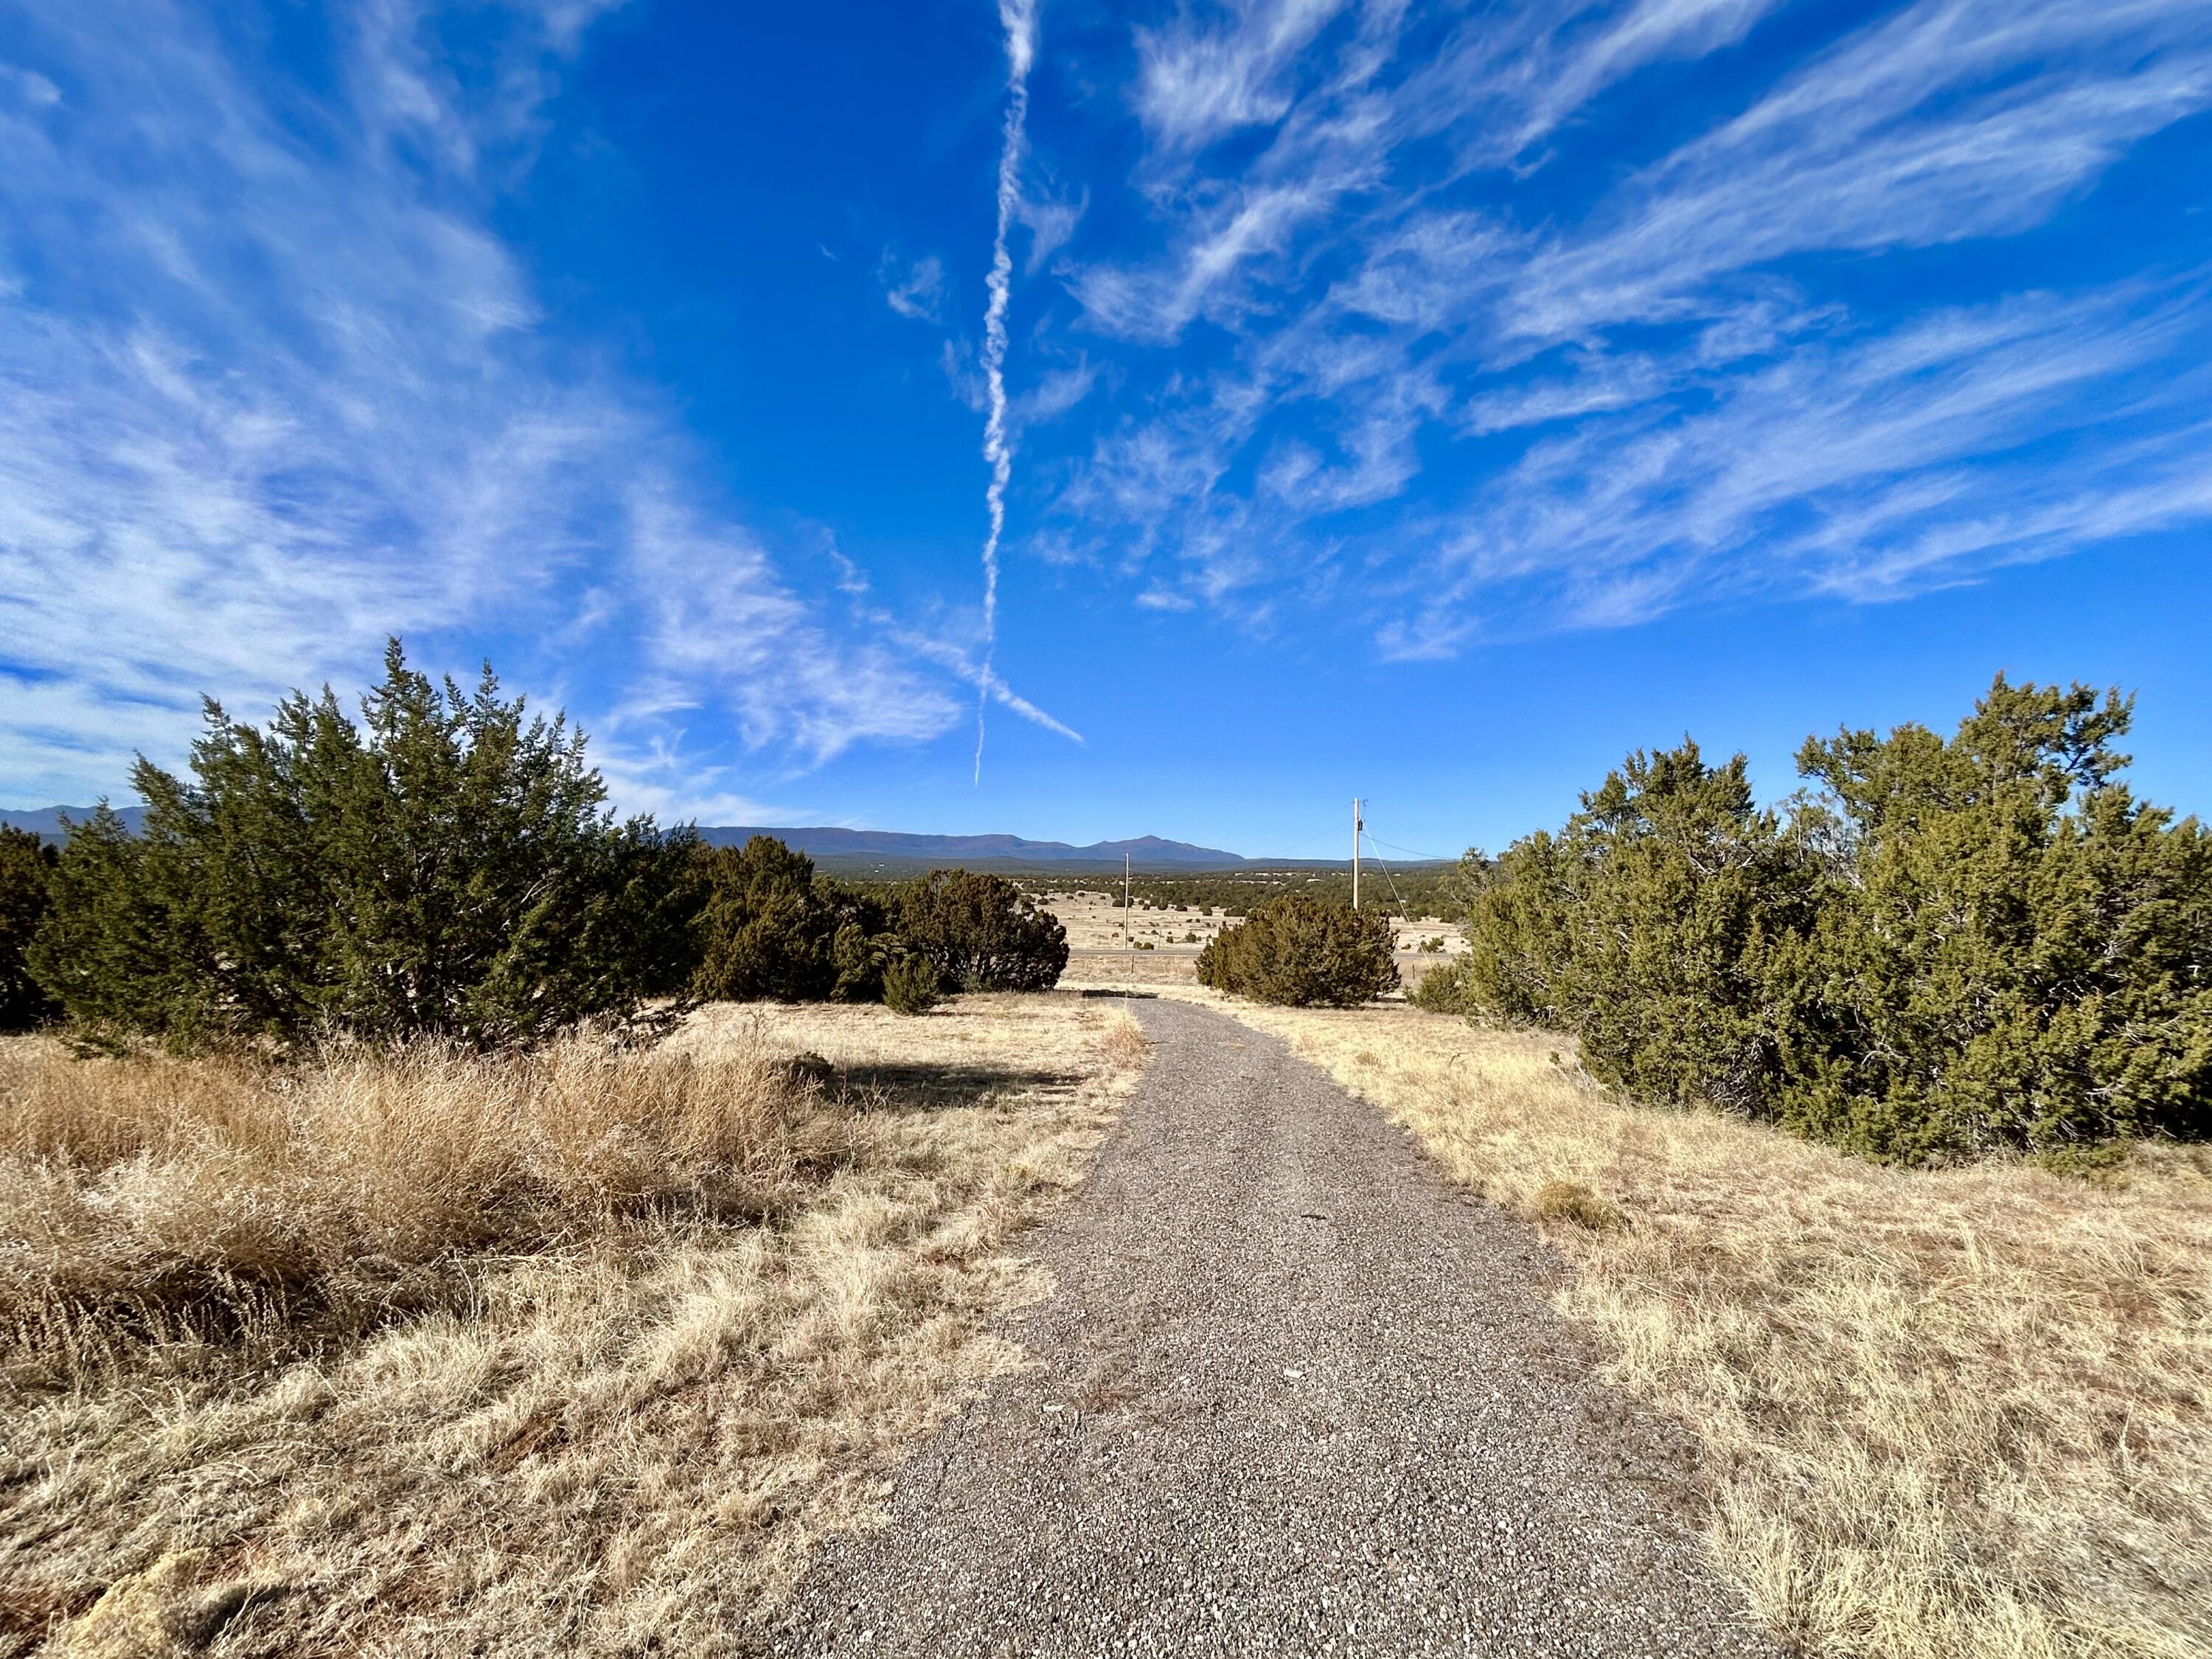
1428 402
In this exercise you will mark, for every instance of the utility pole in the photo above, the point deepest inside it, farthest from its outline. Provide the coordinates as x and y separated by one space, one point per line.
1125 900
1356 826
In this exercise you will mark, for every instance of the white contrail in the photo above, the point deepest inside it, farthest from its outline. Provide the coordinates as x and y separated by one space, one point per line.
1018 17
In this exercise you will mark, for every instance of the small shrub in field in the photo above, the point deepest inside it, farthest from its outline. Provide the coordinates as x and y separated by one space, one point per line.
911 985
1300 951
981 933
1442 989
1126 1044
1571 1201
26 865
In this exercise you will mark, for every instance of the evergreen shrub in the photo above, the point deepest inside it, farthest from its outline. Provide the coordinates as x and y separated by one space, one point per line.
911 985
1947 947
27 867
771 929
981 933
1300 951
445 868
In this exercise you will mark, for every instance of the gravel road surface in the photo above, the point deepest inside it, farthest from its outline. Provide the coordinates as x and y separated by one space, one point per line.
1293 1395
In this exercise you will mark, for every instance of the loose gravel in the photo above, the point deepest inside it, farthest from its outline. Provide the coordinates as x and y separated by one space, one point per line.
1293 1395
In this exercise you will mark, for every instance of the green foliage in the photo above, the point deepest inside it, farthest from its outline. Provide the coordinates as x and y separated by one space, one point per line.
861 954
772 929
1300 951
27 867
910 984
2017 951
1949 946
1422 887
981 933
1442 989
445 867
1667 954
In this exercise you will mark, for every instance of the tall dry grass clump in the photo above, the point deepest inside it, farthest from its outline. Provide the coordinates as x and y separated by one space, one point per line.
1953 1414
578 1353
167 1200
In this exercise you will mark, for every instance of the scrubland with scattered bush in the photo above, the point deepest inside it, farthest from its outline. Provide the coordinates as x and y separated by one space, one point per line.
1962 1413
1885 1175
406 1247
395 1256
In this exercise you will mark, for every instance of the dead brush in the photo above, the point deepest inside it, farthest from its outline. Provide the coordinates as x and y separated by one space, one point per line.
1573 1202
1125 1044
155 1198
623 1424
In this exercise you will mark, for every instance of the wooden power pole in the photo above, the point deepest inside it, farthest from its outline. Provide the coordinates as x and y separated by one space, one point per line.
1356 827
1125 900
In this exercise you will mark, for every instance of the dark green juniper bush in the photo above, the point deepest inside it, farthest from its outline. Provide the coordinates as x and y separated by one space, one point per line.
981 933
27 867
445 868
772 928
910 985
1302 951
1946 947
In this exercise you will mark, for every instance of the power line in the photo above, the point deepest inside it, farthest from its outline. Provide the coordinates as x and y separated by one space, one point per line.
1319 835
1384 864
1412 852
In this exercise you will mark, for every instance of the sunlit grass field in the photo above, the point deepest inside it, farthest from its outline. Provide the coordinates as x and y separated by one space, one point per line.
427 1352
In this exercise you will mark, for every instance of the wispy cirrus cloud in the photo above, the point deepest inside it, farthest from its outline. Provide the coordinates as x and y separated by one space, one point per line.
270 388
1395 323
915 289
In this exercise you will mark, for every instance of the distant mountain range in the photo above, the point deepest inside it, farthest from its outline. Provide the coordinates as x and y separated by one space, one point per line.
48 820
852 847
889 846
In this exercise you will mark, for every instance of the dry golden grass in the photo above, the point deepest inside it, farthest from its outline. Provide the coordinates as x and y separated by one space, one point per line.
436 1354
1959 1413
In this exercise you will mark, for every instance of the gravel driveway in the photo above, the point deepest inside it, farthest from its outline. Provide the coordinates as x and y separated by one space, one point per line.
1293 1396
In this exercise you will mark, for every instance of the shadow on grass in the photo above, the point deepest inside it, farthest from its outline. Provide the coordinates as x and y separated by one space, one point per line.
928 1086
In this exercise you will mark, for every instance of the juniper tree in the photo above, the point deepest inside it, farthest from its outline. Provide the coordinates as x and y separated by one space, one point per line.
1299 950
2018 952
980 933
772 929
1947 946
27 867
446 866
